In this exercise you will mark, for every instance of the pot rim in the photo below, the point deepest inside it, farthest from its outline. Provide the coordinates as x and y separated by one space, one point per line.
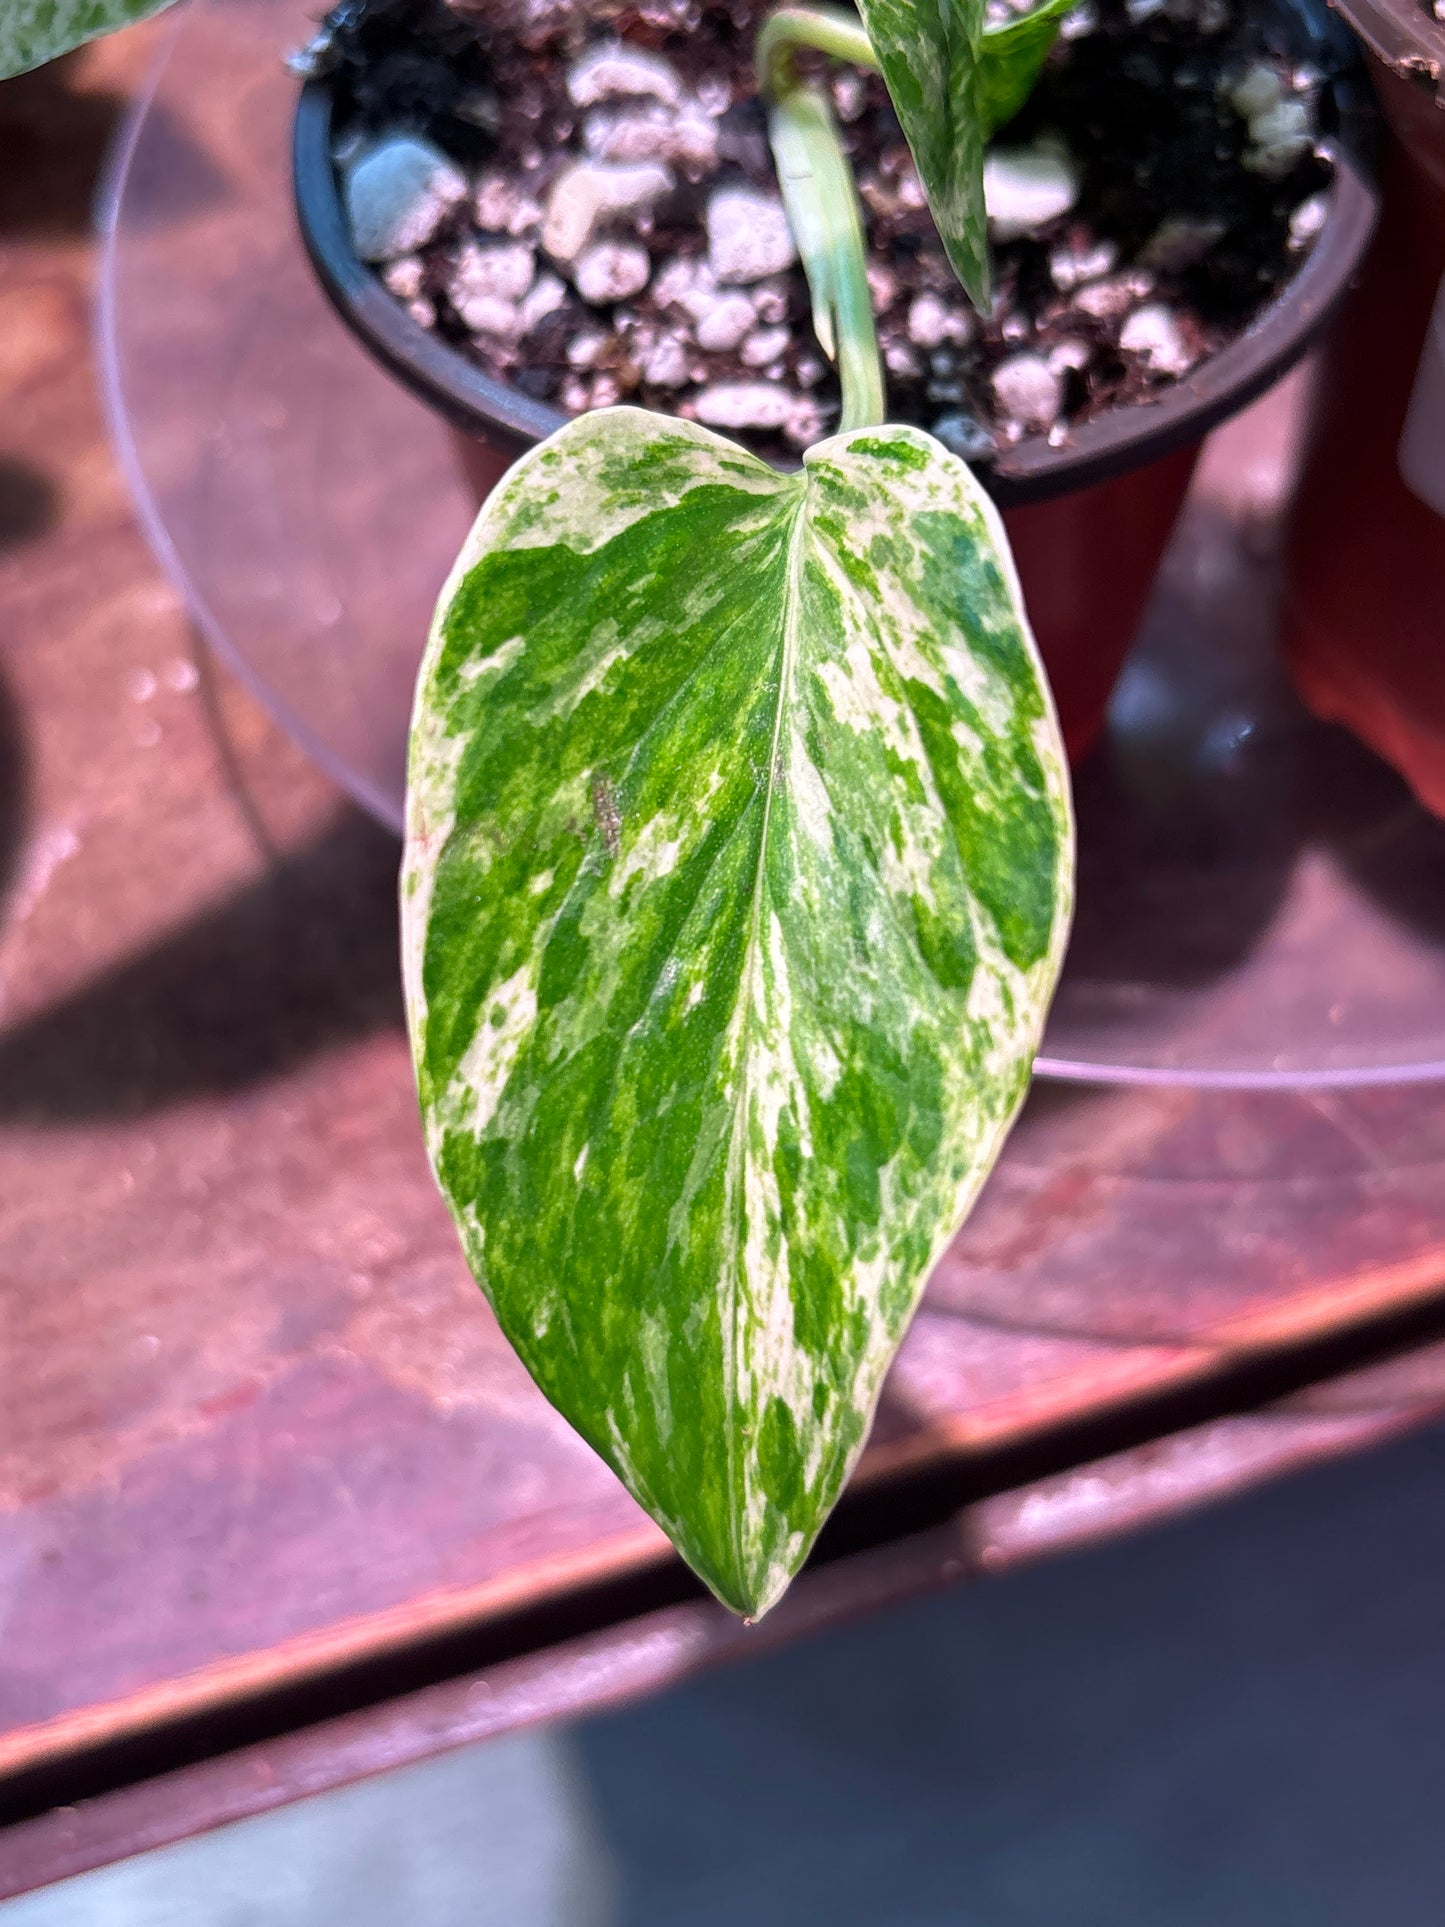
1401 34
1030 471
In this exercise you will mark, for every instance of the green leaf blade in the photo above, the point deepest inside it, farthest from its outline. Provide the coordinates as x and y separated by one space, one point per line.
1011 59
929 51
737 880
34 31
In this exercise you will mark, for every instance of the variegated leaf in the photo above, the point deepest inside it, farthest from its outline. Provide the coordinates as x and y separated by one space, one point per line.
929 52
34 31
737 877
1010 58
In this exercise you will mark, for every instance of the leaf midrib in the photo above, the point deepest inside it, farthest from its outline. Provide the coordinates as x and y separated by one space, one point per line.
787 663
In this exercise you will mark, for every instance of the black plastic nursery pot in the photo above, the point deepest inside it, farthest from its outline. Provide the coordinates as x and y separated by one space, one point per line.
1088 519
1365 595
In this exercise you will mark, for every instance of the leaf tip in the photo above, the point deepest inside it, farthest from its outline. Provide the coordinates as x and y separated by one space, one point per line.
747 1587
975 272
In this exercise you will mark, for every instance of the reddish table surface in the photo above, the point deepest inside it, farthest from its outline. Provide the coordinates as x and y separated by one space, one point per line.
277 1505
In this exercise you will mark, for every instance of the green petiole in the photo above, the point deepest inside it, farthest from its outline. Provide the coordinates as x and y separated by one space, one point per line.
822 201
824 30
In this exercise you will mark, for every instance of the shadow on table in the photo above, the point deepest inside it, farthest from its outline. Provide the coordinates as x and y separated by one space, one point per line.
14 783
1178 875
1391 847
1191 825
29 503
304 959
55 135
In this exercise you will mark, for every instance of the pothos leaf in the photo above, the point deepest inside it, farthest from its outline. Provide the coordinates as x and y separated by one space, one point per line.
34 31
929 53
1010 59
737 878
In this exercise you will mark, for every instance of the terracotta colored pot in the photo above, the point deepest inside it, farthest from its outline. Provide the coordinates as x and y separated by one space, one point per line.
1365 597
1087 561
1089 520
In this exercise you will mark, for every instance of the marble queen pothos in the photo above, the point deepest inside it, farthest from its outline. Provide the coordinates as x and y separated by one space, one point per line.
738 875
34 31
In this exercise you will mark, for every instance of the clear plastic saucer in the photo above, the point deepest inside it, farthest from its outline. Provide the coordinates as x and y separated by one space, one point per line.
306 507
1261 904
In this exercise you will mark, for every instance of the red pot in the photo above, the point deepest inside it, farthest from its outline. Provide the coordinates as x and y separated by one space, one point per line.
1365 596
1087 562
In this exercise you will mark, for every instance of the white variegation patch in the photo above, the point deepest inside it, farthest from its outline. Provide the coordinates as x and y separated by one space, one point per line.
651 855
495 665
487 1064
577 489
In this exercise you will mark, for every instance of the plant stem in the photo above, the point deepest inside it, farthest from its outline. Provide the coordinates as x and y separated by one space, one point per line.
821 199
827 30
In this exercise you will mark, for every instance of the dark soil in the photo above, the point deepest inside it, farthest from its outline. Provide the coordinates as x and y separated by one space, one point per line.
1142 105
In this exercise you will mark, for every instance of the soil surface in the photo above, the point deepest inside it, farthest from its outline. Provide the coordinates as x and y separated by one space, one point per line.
1198 155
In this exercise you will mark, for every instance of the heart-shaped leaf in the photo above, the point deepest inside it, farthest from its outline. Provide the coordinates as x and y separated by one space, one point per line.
929 51
737 879
34 31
